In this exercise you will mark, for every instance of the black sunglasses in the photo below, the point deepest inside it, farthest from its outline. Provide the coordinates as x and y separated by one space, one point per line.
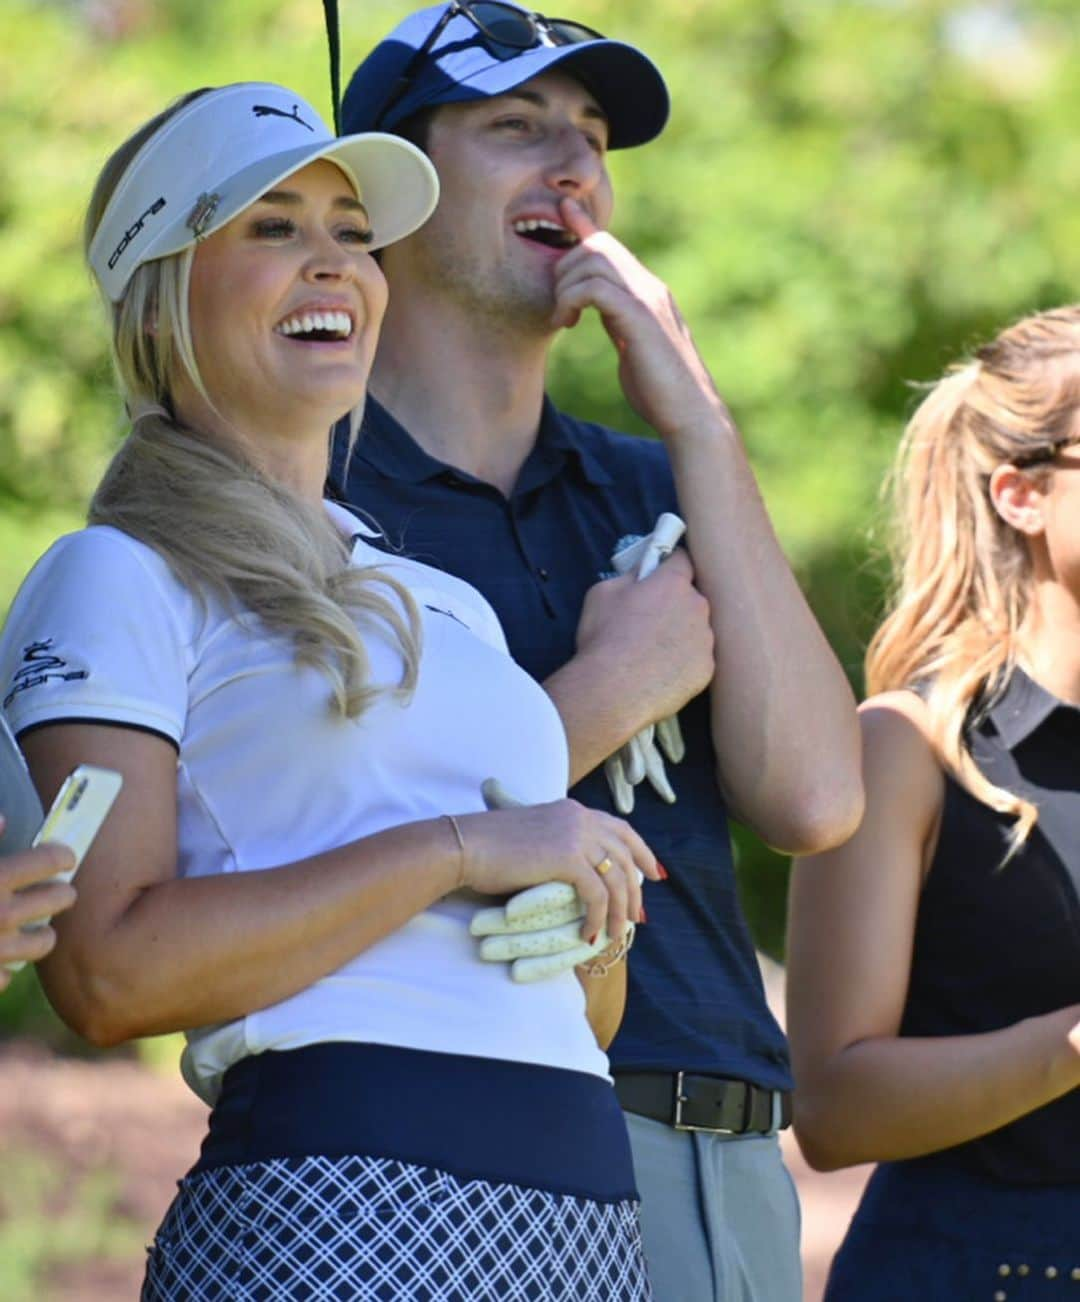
1044 455
506 31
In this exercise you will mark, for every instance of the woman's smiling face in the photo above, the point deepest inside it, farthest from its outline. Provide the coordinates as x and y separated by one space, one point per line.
285 306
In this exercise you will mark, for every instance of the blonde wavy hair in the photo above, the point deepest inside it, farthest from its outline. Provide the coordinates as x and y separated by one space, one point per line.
223 527
964 576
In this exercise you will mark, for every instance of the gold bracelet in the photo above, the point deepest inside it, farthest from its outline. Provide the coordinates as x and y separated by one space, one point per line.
602 964
461 849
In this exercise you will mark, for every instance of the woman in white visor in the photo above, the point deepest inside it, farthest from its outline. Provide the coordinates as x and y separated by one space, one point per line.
304 723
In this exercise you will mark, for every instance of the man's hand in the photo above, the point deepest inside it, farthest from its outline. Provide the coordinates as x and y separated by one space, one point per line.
783 700
653 636
660 369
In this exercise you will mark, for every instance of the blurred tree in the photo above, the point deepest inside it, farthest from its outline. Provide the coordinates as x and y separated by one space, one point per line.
850 193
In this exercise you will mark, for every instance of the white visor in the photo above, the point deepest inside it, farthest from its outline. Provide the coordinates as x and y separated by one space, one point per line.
218 154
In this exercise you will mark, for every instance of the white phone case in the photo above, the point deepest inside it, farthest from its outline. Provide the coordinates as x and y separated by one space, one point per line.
79 810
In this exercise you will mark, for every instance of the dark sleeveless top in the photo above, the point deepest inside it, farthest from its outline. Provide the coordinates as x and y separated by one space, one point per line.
993 944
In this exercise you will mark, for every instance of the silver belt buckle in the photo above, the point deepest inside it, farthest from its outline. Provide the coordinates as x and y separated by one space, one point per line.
679 1124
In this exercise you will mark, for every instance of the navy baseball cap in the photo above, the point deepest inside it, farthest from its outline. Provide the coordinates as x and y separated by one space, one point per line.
466 62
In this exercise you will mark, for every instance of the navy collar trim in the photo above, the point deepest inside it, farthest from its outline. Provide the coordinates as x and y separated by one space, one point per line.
387 446
1023 707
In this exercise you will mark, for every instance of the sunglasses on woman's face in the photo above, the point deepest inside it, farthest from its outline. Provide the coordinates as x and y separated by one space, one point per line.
1048 454
506 32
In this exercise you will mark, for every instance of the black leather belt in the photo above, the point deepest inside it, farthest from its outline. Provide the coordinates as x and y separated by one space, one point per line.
714 1103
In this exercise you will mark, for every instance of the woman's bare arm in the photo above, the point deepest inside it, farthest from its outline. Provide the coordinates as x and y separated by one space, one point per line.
863 1093
145 951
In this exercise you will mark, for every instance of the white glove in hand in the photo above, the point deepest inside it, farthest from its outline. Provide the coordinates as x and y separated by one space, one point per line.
537 930
640 758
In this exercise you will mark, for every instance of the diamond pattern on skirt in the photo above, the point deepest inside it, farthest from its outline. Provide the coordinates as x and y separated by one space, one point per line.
367 1229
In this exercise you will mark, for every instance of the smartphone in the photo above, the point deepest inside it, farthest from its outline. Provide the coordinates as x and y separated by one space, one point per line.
79 810
74 819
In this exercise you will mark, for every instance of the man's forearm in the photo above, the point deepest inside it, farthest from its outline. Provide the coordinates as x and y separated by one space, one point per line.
783 715
599 709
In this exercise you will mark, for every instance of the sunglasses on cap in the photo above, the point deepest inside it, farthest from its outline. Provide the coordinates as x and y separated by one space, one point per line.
506 30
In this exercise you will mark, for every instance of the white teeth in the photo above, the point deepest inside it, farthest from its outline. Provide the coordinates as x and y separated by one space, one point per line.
536 224
338 323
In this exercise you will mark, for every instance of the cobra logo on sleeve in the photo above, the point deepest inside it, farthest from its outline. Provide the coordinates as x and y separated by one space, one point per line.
39 665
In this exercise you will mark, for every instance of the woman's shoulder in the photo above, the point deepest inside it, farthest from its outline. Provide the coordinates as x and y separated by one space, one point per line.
103 549
902 709
100 631
101 567
899 751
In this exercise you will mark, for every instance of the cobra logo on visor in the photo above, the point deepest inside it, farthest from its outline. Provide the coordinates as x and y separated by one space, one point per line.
134 229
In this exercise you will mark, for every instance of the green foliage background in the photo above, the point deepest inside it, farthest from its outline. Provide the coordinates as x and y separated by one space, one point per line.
850 193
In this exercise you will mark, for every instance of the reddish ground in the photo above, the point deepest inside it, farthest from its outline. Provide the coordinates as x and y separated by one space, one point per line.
142 1129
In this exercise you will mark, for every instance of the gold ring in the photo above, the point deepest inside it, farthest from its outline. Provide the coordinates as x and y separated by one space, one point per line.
605 865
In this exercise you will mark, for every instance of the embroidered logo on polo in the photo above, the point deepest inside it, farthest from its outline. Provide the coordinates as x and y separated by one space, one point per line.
265 110
39 665
438 610
134 229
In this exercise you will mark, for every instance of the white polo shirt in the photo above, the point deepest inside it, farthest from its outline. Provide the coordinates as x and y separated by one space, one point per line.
267 774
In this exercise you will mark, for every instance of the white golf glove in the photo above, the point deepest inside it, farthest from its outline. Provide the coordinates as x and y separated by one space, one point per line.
537 930
640 758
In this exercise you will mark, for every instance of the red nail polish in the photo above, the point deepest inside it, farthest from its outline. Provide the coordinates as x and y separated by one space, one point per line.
664 874
642 915
592 938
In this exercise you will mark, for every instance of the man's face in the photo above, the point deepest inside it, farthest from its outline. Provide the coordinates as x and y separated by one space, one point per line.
504 164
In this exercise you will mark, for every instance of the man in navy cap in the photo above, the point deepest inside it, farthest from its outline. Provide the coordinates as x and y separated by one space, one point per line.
467 464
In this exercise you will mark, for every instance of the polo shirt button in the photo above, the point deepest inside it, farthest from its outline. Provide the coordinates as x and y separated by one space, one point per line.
1004 1270
1051 1272
543 574
1023 1270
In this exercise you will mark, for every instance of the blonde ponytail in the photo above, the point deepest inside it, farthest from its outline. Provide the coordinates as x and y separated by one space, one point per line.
964 579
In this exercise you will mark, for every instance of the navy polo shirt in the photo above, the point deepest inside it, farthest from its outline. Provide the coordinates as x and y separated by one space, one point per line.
695 999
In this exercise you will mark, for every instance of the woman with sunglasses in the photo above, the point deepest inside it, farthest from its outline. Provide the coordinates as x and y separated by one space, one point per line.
304 725
934 960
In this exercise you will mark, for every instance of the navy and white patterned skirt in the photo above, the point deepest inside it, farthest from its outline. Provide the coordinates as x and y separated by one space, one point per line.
527 1195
